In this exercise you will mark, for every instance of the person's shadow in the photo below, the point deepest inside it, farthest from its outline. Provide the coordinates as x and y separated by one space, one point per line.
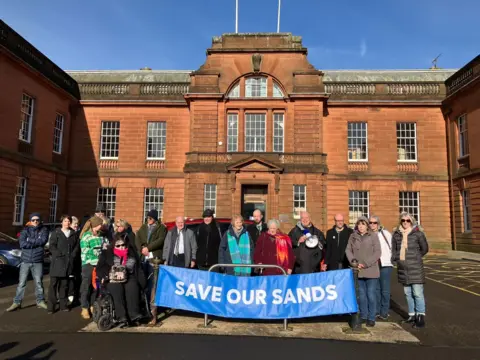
7 346
32 354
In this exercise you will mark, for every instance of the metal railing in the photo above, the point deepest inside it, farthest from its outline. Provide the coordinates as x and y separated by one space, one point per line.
255 266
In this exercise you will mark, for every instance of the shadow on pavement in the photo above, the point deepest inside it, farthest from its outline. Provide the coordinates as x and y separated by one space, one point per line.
32 354
7 346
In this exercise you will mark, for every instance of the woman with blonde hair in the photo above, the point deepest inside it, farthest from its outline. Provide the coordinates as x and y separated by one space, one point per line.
409 246
91 244
236 247
124 229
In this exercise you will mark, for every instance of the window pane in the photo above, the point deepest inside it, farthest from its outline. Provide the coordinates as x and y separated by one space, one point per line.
256 87
357 141
19 204
53 203
255 132
277 92
232 132
107 197
153 199
406 142
110 140
156 140
299 200
409 201
358 205
210 197
278 132
58 134
26 118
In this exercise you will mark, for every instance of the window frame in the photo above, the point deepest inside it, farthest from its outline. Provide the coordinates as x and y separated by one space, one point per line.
462 137
283 132
276 87
103 143
52 210
356 140
106 203
153 204
405 208
296 215
234 92
399 123
466 211
237 131
250 86
207 198
264 129
161 123
358 196
21 213
60 135
30 118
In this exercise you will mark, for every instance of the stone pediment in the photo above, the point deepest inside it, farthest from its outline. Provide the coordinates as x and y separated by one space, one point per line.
254 164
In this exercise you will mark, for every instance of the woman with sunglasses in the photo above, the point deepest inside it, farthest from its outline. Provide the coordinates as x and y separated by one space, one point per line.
409 246
119 266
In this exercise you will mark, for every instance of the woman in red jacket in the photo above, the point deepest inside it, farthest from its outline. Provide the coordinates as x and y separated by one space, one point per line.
274 248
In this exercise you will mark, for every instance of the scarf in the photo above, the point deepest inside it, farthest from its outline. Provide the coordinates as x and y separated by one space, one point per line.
404 247
122 254
283 242
240 253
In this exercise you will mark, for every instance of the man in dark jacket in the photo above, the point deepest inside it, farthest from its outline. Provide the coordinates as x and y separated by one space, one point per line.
337 240
32 242
149 241
308 258
208 236
150 237
257 227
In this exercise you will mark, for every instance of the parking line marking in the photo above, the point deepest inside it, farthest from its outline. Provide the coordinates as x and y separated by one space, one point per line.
455 287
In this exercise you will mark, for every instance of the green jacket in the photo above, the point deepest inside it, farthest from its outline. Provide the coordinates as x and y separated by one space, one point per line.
156 241
90 248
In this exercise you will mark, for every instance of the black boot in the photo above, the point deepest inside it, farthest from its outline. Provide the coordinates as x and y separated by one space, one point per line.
419 322
409 320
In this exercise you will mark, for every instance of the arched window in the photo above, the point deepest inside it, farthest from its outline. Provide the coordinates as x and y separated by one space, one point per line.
277 91
235 91
256 87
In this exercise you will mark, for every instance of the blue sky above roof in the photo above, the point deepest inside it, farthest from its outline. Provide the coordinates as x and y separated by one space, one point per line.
173 34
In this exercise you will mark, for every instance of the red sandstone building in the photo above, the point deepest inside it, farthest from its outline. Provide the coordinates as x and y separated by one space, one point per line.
462 114
255 126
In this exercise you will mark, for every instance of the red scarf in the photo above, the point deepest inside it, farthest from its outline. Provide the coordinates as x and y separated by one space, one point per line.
122 254
283 242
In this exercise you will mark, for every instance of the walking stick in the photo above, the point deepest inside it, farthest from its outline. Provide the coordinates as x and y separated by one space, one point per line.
156 266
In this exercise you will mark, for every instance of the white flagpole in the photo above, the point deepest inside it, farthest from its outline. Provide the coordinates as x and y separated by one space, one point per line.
278 21
236 16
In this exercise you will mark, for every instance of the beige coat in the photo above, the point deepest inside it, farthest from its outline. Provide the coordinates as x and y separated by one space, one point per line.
367 251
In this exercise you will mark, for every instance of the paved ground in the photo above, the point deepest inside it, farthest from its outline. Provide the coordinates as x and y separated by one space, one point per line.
452 330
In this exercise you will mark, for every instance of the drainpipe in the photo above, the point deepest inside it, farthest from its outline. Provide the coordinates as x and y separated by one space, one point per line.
450 179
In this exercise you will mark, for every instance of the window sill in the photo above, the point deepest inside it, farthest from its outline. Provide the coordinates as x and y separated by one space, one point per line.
407 161
25 141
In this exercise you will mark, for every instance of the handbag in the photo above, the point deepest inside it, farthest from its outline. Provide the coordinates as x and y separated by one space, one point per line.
118 274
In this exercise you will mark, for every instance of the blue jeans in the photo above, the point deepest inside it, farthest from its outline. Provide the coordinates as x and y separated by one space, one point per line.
37 273
367 293
383 291
415 299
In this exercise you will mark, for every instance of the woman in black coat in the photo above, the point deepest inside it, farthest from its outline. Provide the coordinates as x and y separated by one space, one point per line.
119 265
409 246
64 247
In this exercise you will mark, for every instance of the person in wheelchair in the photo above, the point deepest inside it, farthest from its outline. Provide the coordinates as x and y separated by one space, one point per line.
120 267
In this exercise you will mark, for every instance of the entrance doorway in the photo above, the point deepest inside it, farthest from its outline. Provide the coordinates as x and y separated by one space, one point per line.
254 197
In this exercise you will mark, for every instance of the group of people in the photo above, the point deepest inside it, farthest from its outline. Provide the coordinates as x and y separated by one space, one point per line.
101 253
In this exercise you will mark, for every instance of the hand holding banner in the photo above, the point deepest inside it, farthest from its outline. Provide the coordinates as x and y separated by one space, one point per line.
261 297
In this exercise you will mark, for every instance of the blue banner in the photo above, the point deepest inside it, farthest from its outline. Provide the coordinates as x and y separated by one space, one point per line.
259 297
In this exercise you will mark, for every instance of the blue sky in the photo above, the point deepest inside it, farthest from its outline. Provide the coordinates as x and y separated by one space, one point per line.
173 34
